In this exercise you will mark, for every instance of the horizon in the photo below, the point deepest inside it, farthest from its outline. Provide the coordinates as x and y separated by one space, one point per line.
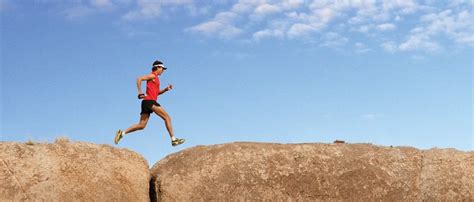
280 71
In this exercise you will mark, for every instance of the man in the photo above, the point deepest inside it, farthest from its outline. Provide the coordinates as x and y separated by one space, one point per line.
150 105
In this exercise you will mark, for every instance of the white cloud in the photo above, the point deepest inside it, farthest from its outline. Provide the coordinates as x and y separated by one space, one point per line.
266 9
83 9
361 48
78 12
197 11
277 29
386 27
102 3
246 6
151 9
333 40
291 4
464 38
370 15
424 26
175 2
322 20
364 28
309 24
457 3
389 46
458 27
419 42
405 6
220 26
147 10
268 33
323 15
301 30
220 29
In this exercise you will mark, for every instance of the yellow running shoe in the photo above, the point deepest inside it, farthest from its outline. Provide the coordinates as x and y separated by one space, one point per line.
177 142
118 135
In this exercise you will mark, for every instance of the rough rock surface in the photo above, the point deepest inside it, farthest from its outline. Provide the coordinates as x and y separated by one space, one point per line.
67 171
313 172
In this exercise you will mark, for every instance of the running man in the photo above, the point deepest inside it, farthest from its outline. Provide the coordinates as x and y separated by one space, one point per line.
150 105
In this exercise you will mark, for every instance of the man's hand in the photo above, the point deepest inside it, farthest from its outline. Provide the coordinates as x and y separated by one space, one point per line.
141 96
169 87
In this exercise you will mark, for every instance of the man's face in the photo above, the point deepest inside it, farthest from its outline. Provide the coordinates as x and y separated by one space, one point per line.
160 70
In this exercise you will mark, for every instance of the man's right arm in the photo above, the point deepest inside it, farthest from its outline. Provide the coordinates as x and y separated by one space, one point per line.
143 78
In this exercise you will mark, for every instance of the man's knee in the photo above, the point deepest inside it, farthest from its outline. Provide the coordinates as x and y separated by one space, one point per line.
141 126
166 117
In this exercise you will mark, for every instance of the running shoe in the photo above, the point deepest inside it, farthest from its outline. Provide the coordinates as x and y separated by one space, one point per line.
177 142
118 135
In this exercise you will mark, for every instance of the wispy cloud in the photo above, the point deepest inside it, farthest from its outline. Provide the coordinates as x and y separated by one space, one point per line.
268 33
135 10
221 25
386 27
333 40
396 25
79 11
389 46
419 41
102 3
457 27
154 9
267 9
74 10
332 22
361 48
147 9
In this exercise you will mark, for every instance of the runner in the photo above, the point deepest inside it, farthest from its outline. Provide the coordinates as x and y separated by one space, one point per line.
150 105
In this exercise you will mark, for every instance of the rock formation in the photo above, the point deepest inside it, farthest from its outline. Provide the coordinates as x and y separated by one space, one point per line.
80 171
313 172
67 171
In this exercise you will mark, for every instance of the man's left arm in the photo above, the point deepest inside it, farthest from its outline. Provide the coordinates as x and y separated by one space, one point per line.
169 87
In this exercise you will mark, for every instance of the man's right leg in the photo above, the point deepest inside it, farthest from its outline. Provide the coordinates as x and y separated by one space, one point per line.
141 125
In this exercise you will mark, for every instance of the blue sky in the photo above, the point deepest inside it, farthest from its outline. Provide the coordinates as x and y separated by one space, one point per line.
291 71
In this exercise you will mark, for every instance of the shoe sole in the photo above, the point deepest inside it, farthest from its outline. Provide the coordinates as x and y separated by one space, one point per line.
118 136
180 142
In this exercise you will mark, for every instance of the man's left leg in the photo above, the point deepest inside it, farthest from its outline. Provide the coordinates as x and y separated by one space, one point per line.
164 115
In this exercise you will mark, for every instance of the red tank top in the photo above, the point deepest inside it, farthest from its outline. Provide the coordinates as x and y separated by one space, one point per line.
152 88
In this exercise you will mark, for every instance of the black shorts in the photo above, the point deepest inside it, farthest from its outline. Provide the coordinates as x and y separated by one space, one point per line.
147 106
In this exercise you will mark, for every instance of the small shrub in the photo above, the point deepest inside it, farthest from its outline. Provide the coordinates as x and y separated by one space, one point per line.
30 142
61 140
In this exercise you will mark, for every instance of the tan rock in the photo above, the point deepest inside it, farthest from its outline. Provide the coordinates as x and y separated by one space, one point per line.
67 171
313 172
448 175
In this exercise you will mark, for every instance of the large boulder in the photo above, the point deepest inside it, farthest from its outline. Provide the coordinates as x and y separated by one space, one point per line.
238 171
67 171
447 175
